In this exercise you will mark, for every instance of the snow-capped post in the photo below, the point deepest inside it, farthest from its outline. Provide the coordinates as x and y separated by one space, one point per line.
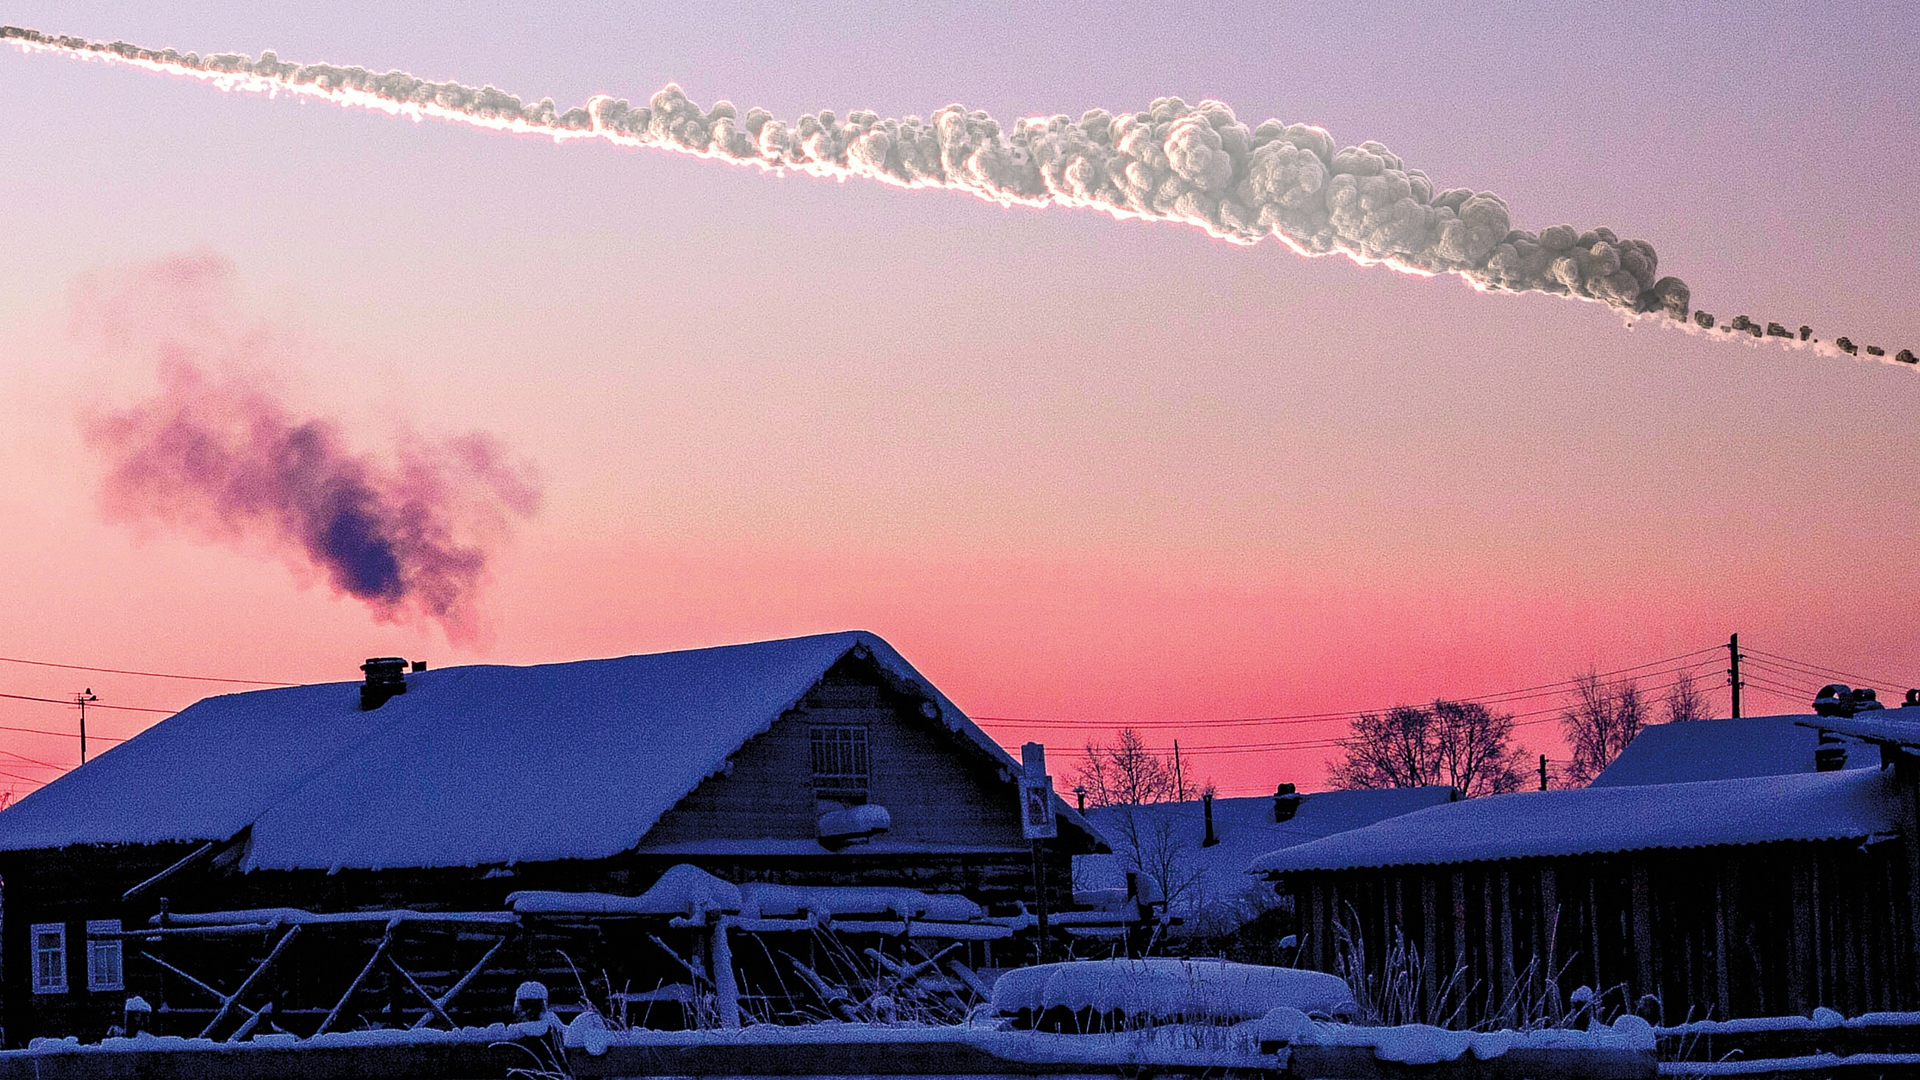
138 1016
529 1002
1036 822
726 989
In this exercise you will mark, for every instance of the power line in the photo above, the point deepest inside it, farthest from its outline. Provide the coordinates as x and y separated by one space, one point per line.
69 702
1508 698
61 734
1530 718
1824 672
1501 697
145 674
34 761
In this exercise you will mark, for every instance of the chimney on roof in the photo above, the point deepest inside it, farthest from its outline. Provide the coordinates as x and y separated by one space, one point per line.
1206 805
386 677
1285 803
1831 754
419 666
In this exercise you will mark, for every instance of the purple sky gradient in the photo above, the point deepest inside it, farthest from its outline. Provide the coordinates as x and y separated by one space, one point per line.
1070 467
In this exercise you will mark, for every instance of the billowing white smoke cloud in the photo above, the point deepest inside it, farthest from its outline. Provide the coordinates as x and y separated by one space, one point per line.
1197 164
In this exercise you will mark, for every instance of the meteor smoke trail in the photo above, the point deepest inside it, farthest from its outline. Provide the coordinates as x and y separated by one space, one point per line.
1195 164
224 459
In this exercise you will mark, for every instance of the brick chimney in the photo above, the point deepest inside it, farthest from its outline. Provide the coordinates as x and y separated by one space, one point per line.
386 678
1206 804
1285 803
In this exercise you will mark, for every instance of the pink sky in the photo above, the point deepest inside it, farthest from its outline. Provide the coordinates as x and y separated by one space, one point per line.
1072 468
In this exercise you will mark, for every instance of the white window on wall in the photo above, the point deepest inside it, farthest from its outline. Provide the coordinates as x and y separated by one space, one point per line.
103 956
50 958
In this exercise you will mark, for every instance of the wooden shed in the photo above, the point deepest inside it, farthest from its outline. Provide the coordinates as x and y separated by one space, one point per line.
401 842
1726 898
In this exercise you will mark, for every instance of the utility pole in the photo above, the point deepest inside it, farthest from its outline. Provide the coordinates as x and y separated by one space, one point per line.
1179 781
81 700
1543 772
1733 672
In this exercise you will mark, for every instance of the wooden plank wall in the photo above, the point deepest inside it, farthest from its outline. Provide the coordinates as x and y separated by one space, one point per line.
1724 932
938 787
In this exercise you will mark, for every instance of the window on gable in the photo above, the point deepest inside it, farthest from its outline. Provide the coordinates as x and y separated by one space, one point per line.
103 956
840 763
49 958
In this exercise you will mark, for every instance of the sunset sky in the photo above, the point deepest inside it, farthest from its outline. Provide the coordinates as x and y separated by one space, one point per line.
1076 470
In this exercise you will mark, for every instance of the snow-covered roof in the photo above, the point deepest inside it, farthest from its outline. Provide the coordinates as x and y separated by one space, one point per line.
1246 829
473 765
1851 804
1893 727
1719 750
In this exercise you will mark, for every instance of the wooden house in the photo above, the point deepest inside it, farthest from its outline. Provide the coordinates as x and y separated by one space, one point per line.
1748 896
238 863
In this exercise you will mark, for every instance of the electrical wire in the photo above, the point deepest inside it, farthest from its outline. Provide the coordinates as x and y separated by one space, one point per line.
91 704
62 734
145 674
1542 690
1825 673
1530 718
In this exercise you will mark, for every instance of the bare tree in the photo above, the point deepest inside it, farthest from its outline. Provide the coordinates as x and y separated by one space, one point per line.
1684 700
1601 721
1126 773
1126 779
1464 745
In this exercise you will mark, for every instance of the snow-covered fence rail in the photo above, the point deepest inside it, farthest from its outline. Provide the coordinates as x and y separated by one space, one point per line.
1871 1037
586 1050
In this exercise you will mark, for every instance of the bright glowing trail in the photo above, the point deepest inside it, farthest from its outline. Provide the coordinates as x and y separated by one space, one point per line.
1195 164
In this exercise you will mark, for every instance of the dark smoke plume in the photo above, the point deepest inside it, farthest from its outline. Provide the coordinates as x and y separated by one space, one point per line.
222 458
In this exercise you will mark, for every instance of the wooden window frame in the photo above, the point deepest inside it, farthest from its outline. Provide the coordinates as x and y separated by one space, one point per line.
841 757
44 982
98 979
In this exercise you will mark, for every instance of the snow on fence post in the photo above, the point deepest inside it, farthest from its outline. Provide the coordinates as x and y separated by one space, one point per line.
529 1001
725 987
138 1017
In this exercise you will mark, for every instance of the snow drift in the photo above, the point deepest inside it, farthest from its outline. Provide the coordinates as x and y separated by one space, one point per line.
1168 987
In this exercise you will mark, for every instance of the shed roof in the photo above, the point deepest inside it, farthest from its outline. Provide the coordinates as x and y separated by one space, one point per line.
1885 727
1719 750
473 765
1852 804
1245 827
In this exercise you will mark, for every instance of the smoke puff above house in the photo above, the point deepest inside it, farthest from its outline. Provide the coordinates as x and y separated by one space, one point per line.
217 455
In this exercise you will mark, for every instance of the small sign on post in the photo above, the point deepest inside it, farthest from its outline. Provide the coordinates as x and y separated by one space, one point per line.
1037 823
1036 794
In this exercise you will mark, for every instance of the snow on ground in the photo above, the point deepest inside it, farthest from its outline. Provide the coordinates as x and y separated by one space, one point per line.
1168 987
1853 804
